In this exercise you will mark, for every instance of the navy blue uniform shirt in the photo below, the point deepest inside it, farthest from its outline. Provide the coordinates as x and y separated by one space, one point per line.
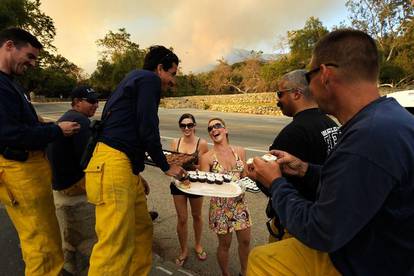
19 125
131 122
364 214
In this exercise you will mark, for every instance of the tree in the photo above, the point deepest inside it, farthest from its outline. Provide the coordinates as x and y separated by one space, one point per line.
26 14
384 20
119 55
302 41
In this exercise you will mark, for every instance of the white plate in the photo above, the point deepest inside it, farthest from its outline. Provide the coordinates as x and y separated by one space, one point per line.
229 189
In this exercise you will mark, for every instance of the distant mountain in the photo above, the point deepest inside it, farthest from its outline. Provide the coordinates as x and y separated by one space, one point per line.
238 55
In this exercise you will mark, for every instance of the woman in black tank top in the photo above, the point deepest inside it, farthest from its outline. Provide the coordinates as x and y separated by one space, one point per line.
191 144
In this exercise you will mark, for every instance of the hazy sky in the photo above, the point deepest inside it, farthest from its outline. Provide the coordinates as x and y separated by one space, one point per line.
200 31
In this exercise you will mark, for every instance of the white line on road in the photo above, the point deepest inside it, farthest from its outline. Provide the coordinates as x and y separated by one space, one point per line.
164 270
185 272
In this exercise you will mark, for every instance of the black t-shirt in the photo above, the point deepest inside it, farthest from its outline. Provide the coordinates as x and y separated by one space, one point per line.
64 154
310 136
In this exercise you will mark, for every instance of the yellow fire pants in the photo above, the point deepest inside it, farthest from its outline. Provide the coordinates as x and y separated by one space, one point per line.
289 257
25 190
273 227
123 225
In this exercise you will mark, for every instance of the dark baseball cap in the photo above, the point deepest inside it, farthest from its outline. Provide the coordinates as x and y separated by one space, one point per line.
84 92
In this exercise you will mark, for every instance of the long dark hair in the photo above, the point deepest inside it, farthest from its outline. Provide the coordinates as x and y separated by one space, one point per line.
187 116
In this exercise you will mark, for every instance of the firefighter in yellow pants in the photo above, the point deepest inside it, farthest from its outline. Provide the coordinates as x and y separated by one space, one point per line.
123 225
25 190
289 257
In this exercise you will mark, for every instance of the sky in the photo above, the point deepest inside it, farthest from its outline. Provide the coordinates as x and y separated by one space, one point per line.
200 31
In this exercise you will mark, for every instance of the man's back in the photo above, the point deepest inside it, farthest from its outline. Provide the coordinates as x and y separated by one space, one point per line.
381 139
310 136
65 153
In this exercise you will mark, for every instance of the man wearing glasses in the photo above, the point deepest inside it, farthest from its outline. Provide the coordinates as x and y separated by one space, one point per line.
310 136
75 215
362 220
113 181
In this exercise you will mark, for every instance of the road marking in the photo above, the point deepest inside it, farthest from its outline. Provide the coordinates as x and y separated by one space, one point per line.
246 148
185 272
164 270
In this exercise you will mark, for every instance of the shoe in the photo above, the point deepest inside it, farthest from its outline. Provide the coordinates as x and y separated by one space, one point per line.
153 215
202 256
180 261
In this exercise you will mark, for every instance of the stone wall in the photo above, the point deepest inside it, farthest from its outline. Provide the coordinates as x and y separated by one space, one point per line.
254 103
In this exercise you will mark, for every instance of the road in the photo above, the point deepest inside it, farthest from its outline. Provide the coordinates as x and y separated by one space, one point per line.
254 132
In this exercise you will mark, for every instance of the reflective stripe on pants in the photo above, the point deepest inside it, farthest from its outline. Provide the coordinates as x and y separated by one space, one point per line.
25 190
123 225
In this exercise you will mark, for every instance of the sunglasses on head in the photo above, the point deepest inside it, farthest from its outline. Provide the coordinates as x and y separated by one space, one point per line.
91 101
189 125
309 75
215 126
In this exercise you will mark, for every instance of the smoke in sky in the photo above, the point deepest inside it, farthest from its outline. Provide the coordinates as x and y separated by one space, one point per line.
200 31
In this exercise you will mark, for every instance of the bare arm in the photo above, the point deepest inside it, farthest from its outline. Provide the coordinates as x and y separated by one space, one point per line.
205 162
242 155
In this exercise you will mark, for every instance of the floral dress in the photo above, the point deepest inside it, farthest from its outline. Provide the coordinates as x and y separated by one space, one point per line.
228 214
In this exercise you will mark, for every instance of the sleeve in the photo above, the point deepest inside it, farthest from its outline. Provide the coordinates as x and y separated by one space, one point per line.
17 134
352 191
80 139
148 121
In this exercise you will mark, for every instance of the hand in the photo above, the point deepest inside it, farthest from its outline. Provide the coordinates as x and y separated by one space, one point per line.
146 186
176 171
264 172
69 128
290 164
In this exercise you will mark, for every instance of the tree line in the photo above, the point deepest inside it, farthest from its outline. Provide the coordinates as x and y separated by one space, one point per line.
389 22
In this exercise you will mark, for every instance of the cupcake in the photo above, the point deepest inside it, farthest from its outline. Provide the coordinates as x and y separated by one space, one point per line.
193 177
227 178
219 179
202 178
210 179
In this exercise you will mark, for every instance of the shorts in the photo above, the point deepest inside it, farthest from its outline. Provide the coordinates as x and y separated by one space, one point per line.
176 191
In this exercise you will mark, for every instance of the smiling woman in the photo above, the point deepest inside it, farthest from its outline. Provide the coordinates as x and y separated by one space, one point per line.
227 214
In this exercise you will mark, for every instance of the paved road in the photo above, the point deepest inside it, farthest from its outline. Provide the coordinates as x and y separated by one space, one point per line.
254 132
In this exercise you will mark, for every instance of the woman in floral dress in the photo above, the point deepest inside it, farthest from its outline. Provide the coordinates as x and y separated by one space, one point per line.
227 215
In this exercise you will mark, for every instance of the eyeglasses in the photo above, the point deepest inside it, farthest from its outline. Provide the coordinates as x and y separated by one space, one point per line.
308 75
189 126
279 93
91 101
215 126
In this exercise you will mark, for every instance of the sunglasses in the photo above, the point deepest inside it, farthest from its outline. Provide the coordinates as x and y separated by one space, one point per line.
279 93
91 101
189 126
215 126
308 75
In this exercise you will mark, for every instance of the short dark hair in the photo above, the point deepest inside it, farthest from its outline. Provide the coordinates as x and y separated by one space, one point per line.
187 116
19 37
355 53
159 55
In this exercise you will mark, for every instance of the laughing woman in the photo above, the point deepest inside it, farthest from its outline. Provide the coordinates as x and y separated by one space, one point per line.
227 215
191 144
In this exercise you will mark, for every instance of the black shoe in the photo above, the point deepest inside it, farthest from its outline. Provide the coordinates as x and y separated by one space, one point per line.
153 215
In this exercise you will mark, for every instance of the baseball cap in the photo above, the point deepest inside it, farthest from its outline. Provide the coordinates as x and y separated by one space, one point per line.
84 92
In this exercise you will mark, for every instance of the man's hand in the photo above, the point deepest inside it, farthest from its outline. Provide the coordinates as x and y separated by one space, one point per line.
290 164
264 172
69 128
176 171
146 186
